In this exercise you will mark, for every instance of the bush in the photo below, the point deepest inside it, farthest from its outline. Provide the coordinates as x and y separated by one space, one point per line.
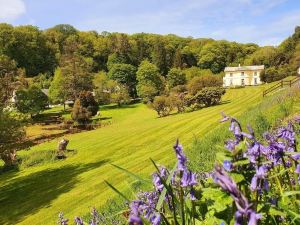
87 101
197 83
162 105
209 96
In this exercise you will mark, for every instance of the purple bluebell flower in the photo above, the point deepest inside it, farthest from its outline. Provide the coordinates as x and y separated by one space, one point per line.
155 219
227 165
135 220
254 217
296 156
225 118
78 221
297 169
188 179
62 220
260 174
156 178
192 195
243 206
180 156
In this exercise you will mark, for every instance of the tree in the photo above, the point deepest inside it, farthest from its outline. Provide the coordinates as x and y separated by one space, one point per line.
213 56
31 51
75 69
87 101
58 91
8 75
115 58
11 134
31 100
118 93
124 74
196 72
101 88
175 77
150 82
84 108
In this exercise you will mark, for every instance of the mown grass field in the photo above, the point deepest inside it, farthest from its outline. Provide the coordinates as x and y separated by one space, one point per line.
36 194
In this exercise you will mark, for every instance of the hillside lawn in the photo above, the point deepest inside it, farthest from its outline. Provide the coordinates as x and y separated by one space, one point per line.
36 195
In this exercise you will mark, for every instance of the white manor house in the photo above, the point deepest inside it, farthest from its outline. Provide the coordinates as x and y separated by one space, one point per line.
242 75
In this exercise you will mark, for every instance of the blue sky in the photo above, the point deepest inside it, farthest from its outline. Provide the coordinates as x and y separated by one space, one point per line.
266 22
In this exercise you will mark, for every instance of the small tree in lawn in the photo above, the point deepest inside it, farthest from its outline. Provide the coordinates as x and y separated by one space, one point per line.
88 101
162 105
79 113
31 101
118 93
84 108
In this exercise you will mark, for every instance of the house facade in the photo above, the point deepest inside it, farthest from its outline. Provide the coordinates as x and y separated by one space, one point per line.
242 75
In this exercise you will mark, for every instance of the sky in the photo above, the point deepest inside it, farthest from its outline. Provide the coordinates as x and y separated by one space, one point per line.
265 22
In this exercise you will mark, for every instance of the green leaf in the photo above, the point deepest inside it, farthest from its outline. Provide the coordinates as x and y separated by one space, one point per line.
131 174
116 190
289 193
221 200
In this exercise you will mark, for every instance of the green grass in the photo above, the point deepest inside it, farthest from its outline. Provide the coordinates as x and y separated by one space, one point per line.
36 194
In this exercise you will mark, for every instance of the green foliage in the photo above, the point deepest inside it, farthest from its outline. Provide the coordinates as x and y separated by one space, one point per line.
150 82
196 72
175 77
31 100
162 105
125 75
84 108
209 96
115 59
8 74
87 101
197 83
58 91
11 134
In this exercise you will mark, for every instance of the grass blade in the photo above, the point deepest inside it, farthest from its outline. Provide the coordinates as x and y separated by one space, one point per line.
116 190
131 174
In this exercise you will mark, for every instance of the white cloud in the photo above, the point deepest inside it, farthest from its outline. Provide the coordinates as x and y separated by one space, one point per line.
11 9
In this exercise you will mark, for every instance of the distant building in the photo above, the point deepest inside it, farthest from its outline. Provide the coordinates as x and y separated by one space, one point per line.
242 75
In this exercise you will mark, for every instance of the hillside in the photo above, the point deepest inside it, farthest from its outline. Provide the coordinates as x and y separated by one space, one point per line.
136 134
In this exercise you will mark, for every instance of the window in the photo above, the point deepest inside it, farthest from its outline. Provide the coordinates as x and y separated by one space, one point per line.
231 74
231 83
243 73
255 80
255 73
243 82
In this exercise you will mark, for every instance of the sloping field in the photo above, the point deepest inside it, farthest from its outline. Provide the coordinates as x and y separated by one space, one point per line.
35 195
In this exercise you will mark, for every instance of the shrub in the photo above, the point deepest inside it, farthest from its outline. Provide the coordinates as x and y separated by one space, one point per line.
197 83
80 114
162 105
87 101
209 96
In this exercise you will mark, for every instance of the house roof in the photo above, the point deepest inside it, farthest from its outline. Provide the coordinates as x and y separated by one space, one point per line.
243 68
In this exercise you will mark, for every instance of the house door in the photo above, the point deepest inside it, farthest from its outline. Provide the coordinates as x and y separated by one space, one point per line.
255 81
243 82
